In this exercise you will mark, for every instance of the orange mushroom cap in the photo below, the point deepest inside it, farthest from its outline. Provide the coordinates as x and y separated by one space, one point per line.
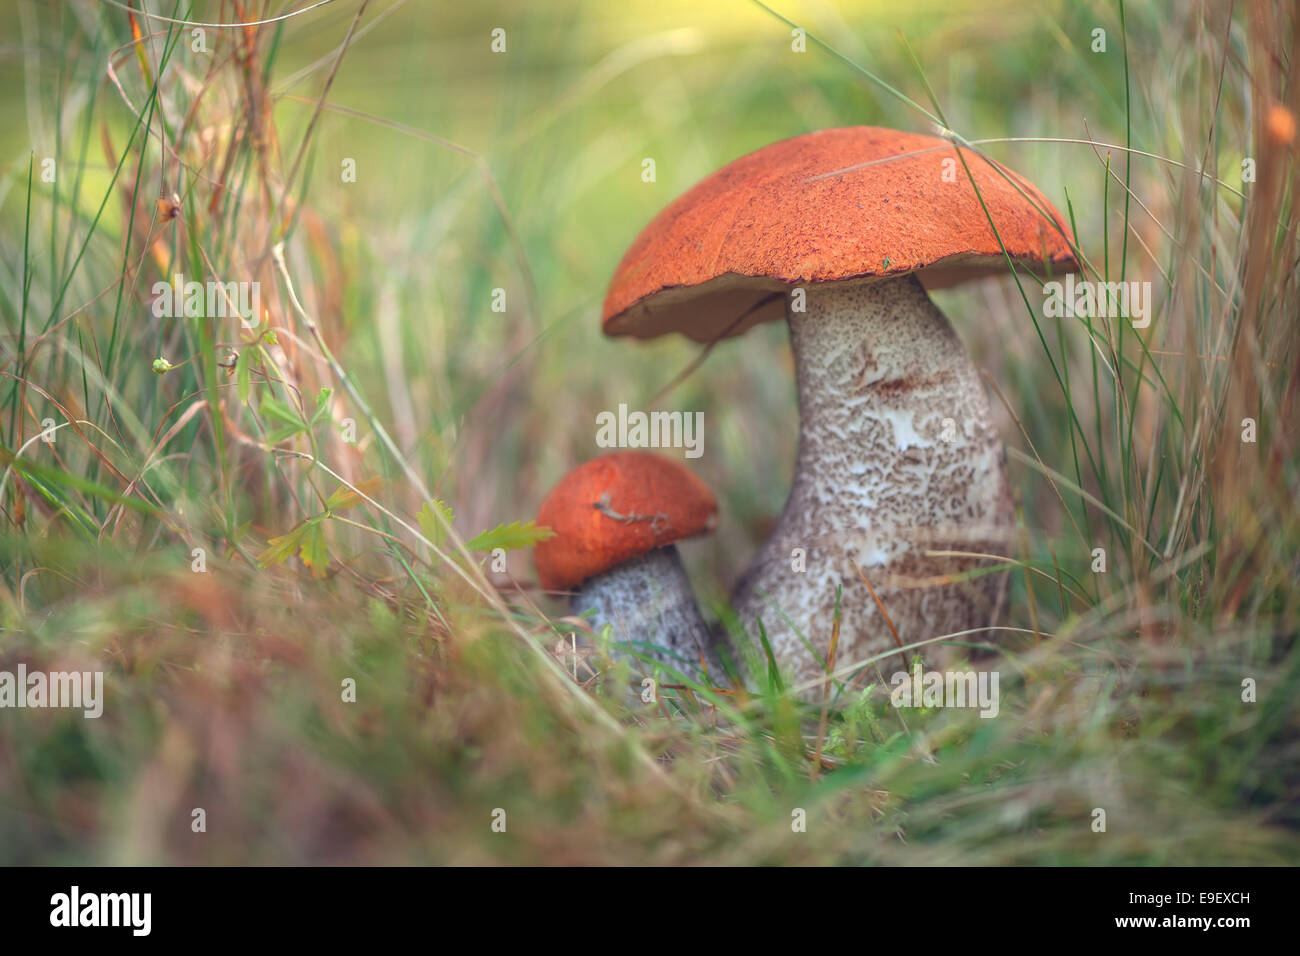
808 210
615 508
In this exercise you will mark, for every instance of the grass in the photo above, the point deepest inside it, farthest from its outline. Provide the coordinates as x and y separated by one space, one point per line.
334 470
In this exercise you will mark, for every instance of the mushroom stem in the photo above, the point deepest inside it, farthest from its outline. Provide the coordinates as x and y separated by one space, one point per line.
649 603
898 455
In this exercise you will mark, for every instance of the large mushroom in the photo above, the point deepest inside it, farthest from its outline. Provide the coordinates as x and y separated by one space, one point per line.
898 453
616 520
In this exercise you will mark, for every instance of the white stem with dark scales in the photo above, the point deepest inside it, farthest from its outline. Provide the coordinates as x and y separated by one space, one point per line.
898 455
648 602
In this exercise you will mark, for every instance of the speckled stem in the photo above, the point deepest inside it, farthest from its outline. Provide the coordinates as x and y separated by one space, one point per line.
649 601
897 455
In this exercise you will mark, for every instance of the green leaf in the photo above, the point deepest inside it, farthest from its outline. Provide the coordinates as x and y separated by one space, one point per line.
322 406
314 551
434 529
516 534
281 548
282 413
307 540
277 411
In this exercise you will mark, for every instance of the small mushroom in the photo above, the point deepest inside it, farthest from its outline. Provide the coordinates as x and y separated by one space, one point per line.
616 520
898 453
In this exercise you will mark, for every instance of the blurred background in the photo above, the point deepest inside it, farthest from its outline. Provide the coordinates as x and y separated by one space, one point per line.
523 171
436 171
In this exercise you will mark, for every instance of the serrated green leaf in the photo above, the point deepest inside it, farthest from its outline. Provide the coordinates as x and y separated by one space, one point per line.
279 549
307 540
434 529
314 550
511 537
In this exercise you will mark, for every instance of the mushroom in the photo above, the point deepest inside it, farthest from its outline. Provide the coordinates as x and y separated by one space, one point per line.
898 453
616 520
